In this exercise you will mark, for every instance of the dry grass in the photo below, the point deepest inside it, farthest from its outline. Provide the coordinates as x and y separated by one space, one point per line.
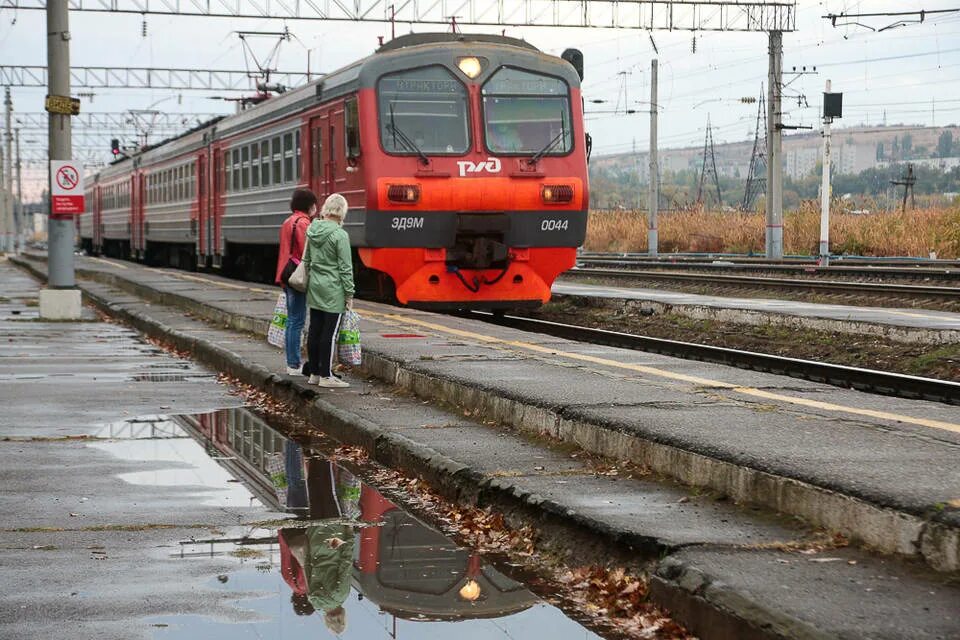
914 233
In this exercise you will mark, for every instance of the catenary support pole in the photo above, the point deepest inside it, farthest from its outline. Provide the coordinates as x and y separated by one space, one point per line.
825 193
7 186
18 221
774 199
61 298
653 197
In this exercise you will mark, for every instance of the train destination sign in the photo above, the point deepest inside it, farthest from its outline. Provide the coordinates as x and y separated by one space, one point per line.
66 188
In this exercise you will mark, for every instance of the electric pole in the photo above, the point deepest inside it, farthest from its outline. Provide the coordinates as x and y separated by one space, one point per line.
61 299
18 222
7 186
825 191
653 197
774 198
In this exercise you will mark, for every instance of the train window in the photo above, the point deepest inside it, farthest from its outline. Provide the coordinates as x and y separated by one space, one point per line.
275 150
527 113
296 146
255 165
265 163
178 186
423 111
245 167
192 182
351 128
236 169
287 157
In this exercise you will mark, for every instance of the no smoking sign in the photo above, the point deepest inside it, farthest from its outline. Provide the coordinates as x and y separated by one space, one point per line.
66 188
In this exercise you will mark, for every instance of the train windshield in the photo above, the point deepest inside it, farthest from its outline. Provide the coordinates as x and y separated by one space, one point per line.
527 113
423 111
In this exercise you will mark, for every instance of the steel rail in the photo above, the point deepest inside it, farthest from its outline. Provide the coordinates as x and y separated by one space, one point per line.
822 286
869 380
865 271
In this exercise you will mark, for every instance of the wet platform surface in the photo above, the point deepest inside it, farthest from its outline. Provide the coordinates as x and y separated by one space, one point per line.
900 318
879 446
122 520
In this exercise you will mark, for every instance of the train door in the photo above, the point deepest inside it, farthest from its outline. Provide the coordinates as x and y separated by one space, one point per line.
97 221
317 163
201 218
331 168
137 192
215 207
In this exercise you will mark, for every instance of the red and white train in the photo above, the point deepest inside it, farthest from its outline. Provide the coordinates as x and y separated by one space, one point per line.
463 159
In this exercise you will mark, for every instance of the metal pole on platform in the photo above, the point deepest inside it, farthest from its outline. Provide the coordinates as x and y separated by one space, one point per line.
774 199
825 193
653 198
60 299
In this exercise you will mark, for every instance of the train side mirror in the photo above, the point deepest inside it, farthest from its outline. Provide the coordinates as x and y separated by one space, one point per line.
575 58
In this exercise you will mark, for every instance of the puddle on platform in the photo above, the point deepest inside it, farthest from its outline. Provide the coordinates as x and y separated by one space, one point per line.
350 565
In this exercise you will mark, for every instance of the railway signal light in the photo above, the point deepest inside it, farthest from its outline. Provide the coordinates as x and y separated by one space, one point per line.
115 147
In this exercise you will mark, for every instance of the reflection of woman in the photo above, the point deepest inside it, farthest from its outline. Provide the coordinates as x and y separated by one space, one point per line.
329 567
317 561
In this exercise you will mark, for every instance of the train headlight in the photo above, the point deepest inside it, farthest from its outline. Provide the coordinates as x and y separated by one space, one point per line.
556 193
471 67
470 591
403 193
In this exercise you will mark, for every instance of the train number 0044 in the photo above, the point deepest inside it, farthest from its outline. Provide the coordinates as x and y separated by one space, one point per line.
554 225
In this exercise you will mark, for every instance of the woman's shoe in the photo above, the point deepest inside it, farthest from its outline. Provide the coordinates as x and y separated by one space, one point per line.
315 380
332 383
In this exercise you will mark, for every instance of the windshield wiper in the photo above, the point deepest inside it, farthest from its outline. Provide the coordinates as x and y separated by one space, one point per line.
405 139
563 134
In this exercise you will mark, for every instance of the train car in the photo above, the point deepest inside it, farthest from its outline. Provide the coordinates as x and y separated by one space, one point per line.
463 159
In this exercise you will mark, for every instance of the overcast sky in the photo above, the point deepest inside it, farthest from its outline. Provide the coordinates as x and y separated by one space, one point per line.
909 74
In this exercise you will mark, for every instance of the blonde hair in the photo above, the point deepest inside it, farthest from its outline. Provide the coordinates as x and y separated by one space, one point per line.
335 206
336 619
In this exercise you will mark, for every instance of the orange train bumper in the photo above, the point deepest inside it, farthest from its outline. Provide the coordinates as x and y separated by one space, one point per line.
422 276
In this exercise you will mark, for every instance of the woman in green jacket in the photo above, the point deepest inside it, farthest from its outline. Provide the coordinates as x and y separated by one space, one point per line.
329 288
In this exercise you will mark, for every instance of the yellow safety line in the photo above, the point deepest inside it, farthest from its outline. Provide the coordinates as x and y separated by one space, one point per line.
653 371
227 285
112 264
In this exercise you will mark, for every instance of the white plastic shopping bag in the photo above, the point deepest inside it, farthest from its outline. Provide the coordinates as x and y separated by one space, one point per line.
276 334
348 342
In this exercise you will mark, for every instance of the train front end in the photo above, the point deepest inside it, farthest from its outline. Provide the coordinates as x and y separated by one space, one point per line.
475 167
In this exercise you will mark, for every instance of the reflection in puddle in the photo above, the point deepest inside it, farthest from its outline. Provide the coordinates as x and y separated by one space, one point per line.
354 566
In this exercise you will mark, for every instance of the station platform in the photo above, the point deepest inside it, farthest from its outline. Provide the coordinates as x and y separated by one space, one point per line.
910 325
96 488
739 469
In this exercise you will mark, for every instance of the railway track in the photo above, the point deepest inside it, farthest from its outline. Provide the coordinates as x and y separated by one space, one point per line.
949 295
879 382
943 272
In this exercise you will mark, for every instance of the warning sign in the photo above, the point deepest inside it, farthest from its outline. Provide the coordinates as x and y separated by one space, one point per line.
66 188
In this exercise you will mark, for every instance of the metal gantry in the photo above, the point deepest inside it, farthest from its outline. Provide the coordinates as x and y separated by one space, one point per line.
146 78
671 15
120 120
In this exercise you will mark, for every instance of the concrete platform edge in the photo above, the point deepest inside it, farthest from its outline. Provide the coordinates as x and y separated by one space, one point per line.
885 529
